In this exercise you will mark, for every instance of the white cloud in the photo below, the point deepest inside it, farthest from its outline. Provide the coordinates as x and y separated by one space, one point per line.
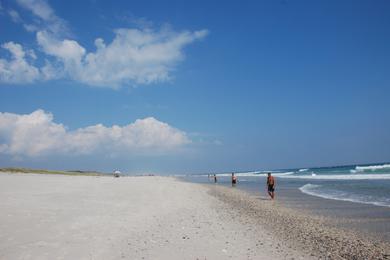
36 134
17 69
39 8
47 17
14 16
133 57
50 71
66 50
30 27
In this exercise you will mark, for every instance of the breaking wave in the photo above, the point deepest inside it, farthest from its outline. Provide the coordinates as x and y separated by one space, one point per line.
341 177
318 191
372 167
255 174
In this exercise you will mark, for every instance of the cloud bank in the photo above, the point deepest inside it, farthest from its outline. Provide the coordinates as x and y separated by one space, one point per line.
36 134
135 56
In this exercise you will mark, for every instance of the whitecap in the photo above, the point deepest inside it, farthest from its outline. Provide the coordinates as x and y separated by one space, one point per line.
341 177
372 167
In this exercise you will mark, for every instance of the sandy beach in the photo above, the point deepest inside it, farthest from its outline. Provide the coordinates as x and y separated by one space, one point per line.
100 217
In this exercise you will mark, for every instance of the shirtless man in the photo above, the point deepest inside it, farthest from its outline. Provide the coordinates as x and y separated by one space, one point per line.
234 179
271 186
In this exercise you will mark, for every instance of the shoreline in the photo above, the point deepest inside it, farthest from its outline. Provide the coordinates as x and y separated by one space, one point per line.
366 219
318 235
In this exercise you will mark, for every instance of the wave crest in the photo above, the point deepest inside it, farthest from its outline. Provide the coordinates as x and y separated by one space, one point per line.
341 177
372 167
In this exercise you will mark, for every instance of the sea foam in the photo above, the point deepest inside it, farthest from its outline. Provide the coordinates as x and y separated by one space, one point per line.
317 191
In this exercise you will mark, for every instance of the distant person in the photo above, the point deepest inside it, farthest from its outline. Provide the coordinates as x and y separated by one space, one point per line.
234 179
215 178
271 185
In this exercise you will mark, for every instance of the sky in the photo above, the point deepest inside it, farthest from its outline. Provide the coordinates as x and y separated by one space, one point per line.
173 87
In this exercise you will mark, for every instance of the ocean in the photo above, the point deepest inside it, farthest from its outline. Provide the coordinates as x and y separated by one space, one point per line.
364 184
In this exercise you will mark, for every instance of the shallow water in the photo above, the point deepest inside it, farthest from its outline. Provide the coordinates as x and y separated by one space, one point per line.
357 196
367 184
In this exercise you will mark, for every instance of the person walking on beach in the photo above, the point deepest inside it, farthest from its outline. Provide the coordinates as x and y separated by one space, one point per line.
215 178
234 179
271 185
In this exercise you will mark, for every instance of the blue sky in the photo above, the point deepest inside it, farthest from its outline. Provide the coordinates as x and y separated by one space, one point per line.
193 86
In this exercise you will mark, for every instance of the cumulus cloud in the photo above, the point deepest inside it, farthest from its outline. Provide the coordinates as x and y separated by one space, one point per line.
133 57
18 69
68 51
36 134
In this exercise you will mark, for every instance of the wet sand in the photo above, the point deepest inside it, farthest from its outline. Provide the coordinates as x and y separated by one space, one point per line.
369 220
321 237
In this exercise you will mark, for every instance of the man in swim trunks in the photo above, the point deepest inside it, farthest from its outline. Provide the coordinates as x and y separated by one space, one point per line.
234 179
271 186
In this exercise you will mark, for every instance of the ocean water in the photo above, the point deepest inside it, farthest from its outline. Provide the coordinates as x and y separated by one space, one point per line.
365 184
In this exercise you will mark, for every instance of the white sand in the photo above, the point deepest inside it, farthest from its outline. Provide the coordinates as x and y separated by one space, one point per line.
83 217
